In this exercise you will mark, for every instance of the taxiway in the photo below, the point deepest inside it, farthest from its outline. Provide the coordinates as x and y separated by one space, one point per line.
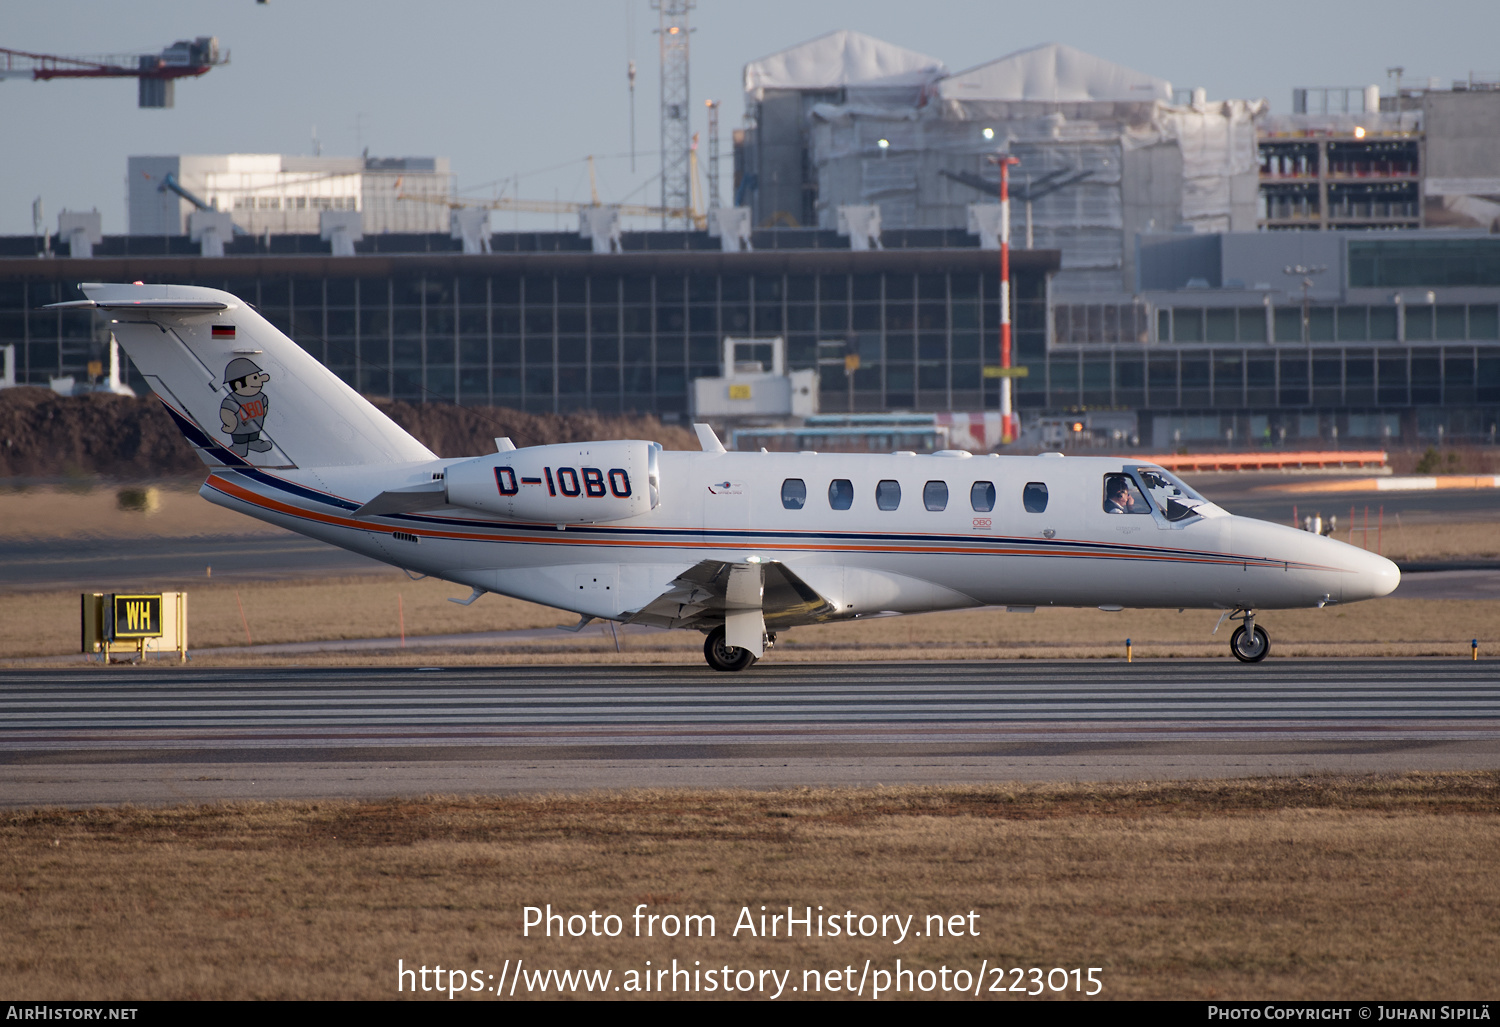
150 735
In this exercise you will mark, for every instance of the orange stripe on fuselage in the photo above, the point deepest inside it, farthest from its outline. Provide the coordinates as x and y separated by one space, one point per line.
266 503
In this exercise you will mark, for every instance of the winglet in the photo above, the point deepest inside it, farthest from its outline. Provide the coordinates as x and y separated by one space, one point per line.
707 439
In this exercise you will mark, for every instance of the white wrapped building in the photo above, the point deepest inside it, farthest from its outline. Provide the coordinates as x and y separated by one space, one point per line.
1104 152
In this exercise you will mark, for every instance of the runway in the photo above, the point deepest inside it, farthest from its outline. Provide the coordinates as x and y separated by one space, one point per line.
149 735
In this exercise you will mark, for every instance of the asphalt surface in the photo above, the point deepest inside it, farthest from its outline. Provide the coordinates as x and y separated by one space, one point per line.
112 564
1260 495
157 735
1462 584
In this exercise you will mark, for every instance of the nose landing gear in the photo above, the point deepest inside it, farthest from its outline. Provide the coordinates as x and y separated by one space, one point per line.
1249 643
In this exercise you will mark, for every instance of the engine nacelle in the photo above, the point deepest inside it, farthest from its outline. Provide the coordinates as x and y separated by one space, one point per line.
570 483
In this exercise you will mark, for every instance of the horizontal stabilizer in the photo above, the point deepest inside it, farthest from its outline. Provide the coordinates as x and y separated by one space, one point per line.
150 304
426 496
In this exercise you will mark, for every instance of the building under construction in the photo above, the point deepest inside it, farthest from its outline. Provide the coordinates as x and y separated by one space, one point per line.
1104 153
1352 159
284 194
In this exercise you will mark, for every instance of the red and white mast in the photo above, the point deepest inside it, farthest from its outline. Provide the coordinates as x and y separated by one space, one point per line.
1007 417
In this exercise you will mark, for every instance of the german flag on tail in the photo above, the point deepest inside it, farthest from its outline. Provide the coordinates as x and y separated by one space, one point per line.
223 331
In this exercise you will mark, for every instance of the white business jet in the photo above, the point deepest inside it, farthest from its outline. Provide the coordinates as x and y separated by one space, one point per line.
739 546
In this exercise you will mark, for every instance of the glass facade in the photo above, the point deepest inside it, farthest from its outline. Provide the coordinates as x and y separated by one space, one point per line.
600 333
1396 263
887 330
1233 378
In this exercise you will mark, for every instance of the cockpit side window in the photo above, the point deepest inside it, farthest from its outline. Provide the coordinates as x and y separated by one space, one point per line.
1123 496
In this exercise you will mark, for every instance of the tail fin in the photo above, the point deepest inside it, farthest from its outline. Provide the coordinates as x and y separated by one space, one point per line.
243 393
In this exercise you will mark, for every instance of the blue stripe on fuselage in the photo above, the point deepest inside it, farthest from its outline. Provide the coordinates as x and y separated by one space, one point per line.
624 533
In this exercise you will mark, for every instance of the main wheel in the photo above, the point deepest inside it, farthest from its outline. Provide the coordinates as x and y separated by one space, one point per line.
1249 649
725 657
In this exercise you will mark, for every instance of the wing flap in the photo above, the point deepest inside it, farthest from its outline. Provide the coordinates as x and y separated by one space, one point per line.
714 591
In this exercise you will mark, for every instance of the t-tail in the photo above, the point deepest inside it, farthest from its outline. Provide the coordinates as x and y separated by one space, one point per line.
243 393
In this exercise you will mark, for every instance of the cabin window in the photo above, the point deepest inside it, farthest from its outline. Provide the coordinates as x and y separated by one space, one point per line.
1123 496
888 494
982 496
840 494
935 496
794 493
1034 497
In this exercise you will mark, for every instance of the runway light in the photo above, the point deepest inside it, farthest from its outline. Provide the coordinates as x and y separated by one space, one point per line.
989 133
1078 426
1359 133
883 144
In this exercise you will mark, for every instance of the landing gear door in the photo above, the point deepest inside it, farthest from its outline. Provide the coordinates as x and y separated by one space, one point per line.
1173 504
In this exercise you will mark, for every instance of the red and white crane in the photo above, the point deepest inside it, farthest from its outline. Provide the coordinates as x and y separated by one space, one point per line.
156 73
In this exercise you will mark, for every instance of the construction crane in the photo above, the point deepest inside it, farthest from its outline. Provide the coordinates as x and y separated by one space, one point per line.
694 214
156 73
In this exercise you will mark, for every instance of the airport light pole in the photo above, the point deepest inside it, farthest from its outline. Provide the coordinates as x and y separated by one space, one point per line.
1307 283
1007 418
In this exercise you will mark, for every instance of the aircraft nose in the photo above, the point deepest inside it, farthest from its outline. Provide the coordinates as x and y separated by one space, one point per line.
1370 577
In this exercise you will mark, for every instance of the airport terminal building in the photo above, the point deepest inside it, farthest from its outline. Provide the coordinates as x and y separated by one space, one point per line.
1395 338
543 324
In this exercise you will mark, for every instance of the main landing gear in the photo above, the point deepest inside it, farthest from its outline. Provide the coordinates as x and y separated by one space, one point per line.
1249 643
728 657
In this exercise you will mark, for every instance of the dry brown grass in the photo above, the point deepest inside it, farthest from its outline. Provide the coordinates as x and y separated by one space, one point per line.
46 623
372 606
1400 541
1325 887
91 510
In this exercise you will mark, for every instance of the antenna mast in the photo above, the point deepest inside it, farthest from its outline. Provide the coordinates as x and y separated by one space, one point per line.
713 153
630 74
676 135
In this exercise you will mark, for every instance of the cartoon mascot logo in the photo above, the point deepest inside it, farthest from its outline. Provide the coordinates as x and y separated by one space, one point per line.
244 409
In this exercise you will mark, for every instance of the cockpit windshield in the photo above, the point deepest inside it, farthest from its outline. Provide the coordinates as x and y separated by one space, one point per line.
1172 496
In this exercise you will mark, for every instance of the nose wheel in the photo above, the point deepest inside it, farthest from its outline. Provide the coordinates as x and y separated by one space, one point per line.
1249 643
725 657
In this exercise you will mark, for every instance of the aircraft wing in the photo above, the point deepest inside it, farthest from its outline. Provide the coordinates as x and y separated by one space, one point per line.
717 590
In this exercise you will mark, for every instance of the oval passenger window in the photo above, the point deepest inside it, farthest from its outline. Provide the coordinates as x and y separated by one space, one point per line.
935 496
840 494
794 494
1034 497
982 496
888 494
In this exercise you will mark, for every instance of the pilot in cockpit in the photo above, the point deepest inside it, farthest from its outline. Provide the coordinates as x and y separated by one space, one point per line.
1120 496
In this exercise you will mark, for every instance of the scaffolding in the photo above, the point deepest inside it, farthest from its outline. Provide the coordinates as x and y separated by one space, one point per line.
676 128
